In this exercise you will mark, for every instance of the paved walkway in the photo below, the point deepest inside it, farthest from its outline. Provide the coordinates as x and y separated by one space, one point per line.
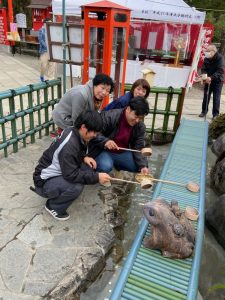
41 257
17 71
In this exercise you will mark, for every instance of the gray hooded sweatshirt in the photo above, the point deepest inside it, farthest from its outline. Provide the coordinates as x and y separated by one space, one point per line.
76 100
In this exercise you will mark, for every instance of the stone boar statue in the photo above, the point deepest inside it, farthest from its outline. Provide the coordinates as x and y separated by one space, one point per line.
171 231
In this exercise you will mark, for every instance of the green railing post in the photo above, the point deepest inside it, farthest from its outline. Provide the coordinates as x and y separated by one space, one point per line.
23 121
39 113
36 122
167 127
3 141
180 104
31 113
46 109
167 110
154 114
13 120
59 89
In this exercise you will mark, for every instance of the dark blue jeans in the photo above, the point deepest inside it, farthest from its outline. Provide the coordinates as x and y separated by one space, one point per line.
106 160
215 88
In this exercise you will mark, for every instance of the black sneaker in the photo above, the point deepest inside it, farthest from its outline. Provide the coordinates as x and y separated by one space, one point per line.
62 217
202 115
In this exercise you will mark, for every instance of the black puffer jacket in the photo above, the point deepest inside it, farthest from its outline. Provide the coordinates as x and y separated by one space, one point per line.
64 158
214 67
111 120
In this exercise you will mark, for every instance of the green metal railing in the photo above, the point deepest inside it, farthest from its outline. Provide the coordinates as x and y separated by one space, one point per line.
26 112
166 106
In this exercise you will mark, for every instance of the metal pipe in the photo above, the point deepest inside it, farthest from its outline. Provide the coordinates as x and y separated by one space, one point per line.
147 270
154 287
133 294
158 279
207 101
194 278
150 261
64 46
141 291
170 263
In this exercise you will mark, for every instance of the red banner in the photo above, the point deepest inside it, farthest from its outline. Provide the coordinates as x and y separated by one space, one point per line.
207 40
161 36
3 26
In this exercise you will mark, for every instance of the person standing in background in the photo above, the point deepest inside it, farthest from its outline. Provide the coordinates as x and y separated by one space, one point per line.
46 67
213 68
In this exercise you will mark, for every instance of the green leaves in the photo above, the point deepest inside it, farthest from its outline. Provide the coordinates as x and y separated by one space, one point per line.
217 126
217 287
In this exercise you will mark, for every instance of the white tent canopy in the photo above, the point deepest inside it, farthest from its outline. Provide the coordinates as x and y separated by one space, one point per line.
161 10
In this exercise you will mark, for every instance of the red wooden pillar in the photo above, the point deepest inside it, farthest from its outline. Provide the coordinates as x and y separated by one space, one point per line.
10 11
106 32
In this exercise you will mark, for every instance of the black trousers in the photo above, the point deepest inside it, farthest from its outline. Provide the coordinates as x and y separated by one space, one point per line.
215 88
60 193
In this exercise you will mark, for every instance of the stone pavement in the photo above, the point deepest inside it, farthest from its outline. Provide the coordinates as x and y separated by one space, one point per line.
17 71
41 258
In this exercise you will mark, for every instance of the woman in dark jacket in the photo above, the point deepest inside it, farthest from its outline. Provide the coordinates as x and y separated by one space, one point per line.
139 88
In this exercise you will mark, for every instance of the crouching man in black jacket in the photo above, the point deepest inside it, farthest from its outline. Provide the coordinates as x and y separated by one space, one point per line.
122 128
65 167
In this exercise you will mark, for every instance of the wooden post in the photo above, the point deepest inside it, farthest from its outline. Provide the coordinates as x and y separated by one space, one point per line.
10 11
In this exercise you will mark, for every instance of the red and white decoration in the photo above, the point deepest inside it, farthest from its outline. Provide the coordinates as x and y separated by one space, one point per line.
207 40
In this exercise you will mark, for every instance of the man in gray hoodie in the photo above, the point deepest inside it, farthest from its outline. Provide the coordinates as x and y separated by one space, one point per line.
80 98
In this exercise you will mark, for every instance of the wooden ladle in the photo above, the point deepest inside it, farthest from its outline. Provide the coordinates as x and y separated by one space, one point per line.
145 183
191 186
143 151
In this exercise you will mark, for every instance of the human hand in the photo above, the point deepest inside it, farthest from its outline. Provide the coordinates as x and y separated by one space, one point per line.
111 145
104 178
208 80
145 171
90 162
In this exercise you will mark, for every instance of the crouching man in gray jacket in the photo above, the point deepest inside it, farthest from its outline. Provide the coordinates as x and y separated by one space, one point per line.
65 166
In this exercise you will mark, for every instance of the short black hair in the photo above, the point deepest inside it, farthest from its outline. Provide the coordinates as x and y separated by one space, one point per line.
139 105
103 79
91 119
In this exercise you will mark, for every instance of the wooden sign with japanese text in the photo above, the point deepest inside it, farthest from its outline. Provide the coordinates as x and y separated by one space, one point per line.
3 26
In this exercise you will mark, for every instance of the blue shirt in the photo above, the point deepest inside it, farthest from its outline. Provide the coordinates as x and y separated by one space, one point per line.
120 102
41 39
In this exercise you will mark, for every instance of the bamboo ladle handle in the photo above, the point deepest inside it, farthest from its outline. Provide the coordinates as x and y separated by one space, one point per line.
143 151
145 184
128 149
124 180
191 186
168 181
